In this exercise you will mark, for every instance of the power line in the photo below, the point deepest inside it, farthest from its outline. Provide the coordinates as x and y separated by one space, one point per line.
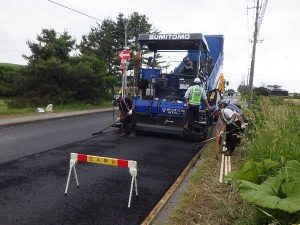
74 10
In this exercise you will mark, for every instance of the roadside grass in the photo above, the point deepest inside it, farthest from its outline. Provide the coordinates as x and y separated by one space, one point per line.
5 111
275 131
12 112
273 134
12 65
206 201
292 100
81 106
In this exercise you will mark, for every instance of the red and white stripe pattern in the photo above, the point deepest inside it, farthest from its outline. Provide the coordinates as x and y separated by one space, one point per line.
77 157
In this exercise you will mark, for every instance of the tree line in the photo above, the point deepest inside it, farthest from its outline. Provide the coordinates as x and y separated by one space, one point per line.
60 71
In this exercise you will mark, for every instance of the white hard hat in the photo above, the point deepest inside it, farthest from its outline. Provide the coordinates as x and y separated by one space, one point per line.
223 101
197 80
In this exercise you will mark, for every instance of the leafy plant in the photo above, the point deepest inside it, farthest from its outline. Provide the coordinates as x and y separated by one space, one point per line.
280 192
255 172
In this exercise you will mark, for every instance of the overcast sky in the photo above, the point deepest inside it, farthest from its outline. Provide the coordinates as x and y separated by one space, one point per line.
277 56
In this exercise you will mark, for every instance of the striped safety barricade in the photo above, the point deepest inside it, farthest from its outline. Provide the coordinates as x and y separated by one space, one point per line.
131 165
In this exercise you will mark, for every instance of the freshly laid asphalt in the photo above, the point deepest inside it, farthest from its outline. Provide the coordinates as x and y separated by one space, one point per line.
32 187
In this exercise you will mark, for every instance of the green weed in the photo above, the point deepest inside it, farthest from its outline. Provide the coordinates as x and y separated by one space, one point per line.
276 132
5 111
273 135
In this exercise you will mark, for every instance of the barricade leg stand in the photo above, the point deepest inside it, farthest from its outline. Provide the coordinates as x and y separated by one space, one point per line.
136 190
133 172
73 162
76 178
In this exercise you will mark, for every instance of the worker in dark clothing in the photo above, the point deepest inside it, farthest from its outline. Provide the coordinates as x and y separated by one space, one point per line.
193 97
188 68
232 125
126 116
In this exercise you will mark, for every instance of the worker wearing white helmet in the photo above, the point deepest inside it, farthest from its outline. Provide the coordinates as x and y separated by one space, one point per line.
197 80
193 97
233 123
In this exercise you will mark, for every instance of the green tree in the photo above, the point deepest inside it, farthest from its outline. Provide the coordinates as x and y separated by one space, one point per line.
52 76
243 89
44 82
138 24
97 84
109 37
51 44
101 41
120 31
8 74
52 81
261 91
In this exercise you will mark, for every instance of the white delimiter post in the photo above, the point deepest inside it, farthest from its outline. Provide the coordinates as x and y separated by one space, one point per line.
229 164
221 169
226 165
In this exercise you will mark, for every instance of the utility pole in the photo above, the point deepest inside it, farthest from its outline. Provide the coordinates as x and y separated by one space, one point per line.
253 57
126 24
124 77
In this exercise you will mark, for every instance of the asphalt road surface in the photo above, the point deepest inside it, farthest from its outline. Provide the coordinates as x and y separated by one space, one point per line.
32 187
23 140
